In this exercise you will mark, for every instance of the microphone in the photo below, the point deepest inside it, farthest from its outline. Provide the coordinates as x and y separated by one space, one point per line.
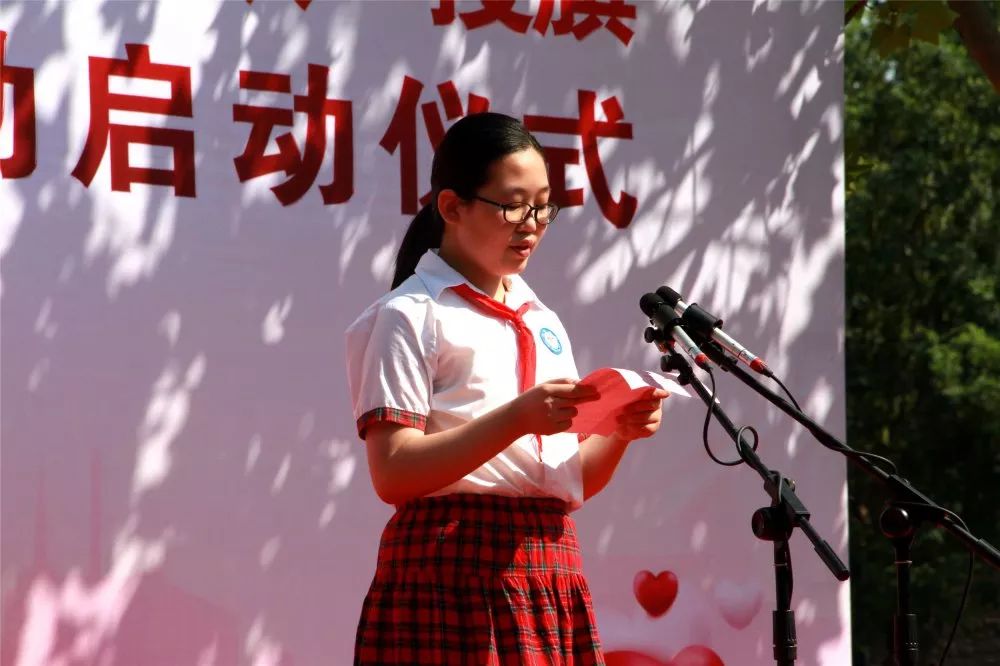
659 312
710 326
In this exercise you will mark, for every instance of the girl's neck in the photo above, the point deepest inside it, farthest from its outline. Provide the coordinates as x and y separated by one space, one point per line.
491 285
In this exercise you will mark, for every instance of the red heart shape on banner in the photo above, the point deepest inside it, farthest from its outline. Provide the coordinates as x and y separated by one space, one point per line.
738 603
655 594
696 655
631 658
692 655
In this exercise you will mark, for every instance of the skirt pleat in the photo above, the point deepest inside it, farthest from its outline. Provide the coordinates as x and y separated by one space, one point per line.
483 580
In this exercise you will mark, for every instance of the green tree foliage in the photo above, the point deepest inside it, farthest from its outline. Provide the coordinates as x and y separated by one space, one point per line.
896 22
923 327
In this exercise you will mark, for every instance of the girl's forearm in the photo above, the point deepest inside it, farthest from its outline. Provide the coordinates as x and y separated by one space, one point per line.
599 456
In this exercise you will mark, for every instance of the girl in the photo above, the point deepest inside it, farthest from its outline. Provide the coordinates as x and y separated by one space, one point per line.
464 385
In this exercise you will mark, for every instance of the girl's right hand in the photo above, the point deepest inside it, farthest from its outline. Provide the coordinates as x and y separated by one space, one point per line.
550 407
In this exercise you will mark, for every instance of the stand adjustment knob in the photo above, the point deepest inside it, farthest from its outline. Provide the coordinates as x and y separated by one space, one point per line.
896 523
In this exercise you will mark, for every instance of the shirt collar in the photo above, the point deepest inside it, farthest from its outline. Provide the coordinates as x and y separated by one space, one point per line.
437 275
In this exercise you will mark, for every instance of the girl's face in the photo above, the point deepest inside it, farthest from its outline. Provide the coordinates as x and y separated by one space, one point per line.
491 246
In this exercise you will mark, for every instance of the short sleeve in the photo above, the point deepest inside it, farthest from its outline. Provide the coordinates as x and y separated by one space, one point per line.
389 361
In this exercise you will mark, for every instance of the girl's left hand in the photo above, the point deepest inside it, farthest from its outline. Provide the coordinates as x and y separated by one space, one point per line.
641 418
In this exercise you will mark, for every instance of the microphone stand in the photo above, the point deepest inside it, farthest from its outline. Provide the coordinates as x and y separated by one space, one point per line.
772 523
904 512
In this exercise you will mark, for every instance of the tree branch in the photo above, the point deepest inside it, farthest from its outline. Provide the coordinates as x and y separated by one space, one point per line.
854 10
977 28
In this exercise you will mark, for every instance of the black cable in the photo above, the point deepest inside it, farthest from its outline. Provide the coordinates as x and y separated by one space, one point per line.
961 609
787 392
739 438
872 456
704 431
847 451
951 514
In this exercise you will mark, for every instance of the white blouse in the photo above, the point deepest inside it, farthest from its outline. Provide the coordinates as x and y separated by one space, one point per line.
422 356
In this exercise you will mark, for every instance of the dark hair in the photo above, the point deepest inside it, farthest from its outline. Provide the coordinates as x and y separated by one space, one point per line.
461 163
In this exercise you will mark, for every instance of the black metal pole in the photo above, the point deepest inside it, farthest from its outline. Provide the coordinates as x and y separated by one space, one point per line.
774 523
897 524
783 617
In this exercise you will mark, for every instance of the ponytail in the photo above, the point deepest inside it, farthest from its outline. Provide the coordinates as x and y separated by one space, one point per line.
425 232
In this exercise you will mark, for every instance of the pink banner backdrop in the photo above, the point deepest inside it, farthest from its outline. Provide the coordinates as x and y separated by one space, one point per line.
197 198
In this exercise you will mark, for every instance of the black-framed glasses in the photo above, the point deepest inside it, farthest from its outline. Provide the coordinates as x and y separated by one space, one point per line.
518 213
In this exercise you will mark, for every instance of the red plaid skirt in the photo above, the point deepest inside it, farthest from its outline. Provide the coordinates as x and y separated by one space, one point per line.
479 580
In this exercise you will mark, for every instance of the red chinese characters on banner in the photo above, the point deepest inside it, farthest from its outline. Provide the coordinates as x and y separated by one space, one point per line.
22 160
401 134
300 163
181 142
302 166
401 137
589 129
577 17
